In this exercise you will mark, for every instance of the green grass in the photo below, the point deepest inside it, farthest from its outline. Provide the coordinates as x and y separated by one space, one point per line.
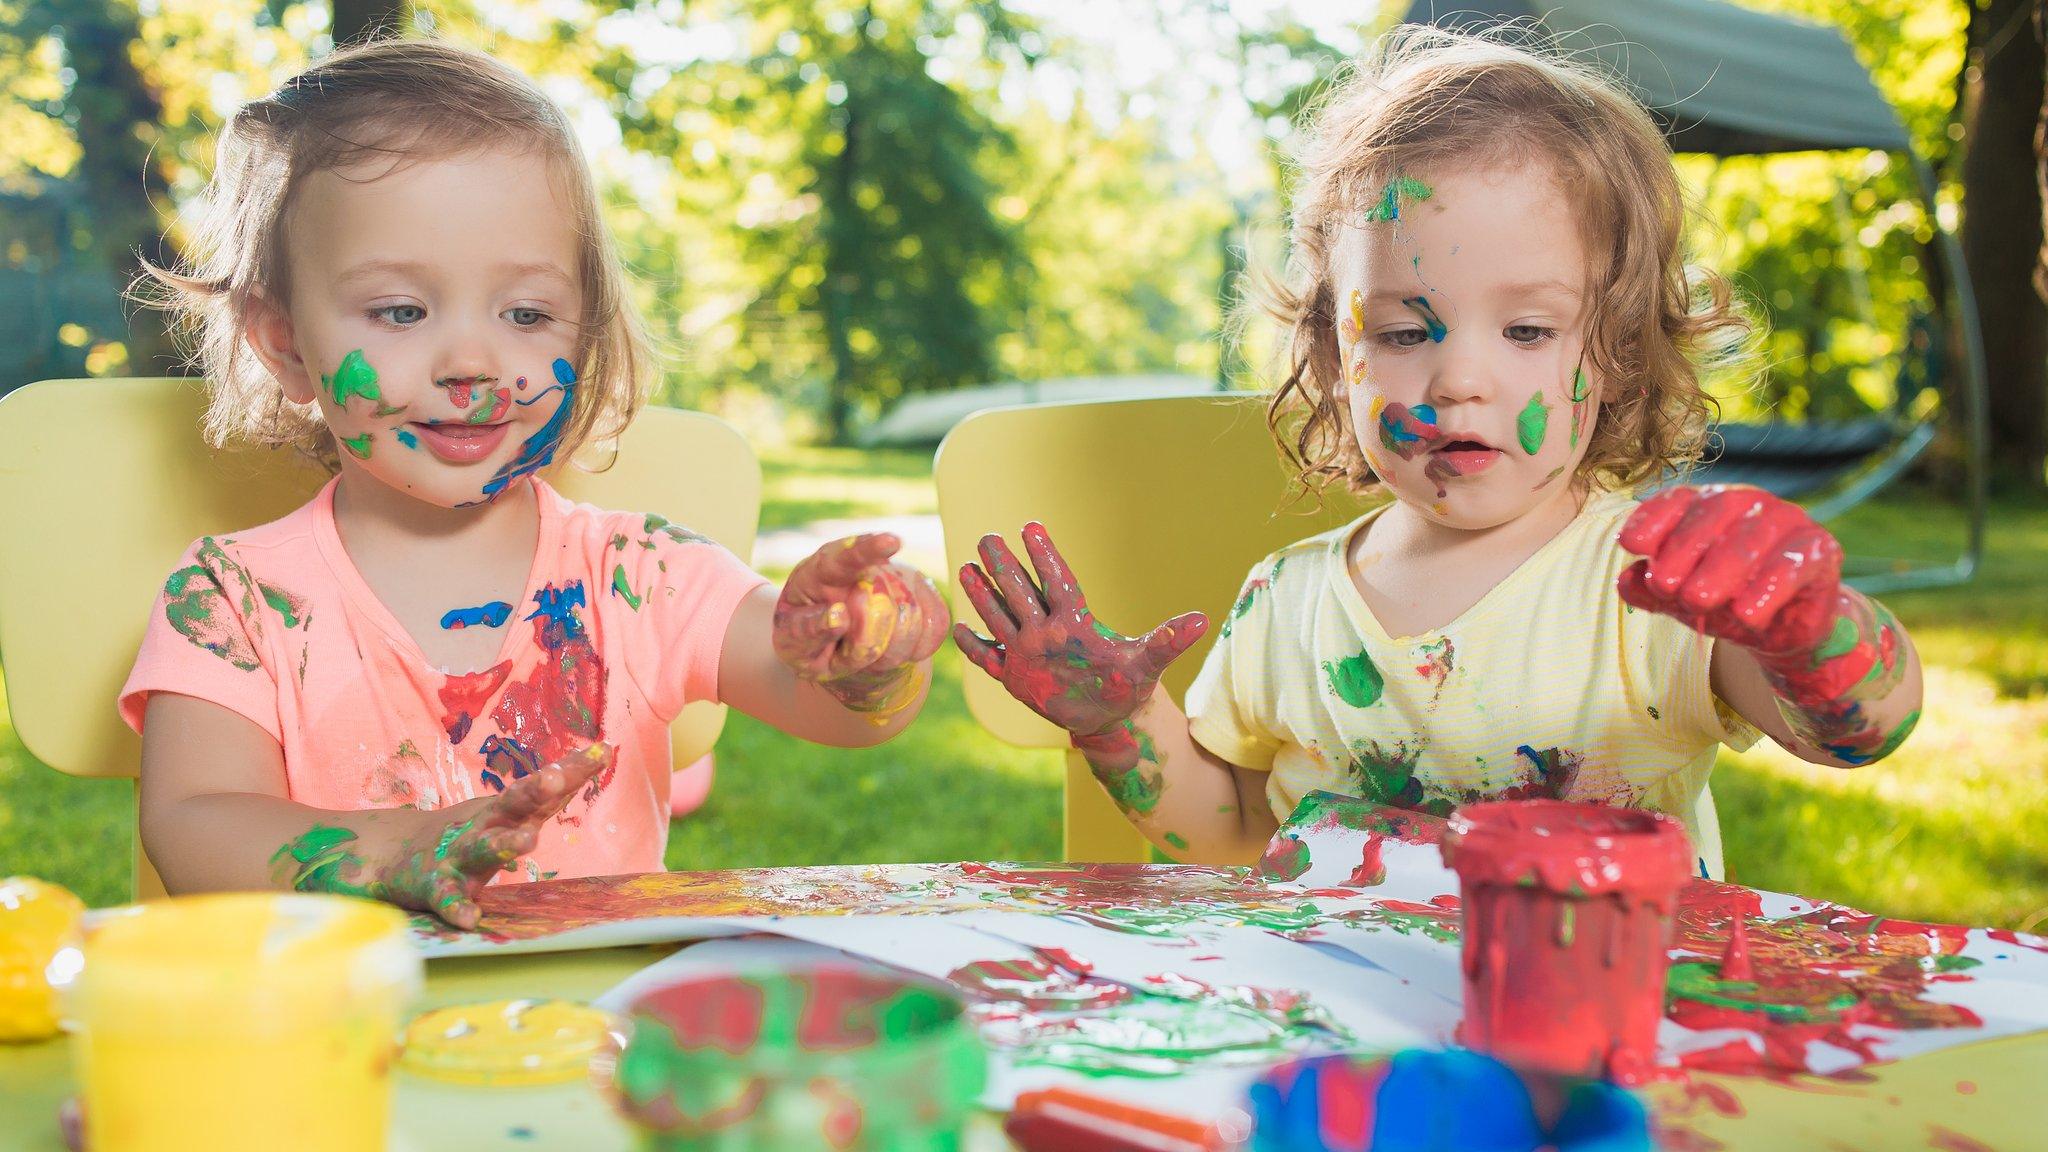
1954 827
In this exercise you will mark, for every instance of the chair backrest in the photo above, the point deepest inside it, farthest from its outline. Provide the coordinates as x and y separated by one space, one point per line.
104 482
1161 506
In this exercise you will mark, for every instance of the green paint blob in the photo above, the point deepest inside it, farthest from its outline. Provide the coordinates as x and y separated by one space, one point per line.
1175 840
316 858
358 446
1398 189
489 408
1534 423
1698 982
449 836
354 377
1355 680
623 589
1581 387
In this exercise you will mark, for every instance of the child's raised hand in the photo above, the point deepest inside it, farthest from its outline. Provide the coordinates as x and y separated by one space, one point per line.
1049 651
1737 563
857 624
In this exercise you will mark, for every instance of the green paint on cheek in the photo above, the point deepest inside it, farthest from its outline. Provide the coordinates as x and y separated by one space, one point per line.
358 446
1581 387
354 377
1174 839
1355 680
1533 424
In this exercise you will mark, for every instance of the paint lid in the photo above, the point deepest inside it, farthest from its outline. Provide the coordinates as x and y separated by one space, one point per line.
1569 849
39 936
507 1043
245 962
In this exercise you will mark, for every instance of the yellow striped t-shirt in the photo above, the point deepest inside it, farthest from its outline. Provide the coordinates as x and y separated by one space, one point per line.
1548 686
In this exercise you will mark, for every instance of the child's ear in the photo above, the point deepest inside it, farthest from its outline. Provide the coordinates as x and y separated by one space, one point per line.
268 330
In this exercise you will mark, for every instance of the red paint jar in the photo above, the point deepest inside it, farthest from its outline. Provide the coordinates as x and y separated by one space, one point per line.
1567 932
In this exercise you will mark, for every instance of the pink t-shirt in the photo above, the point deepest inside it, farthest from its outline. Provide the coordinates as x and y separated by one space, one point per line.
619 626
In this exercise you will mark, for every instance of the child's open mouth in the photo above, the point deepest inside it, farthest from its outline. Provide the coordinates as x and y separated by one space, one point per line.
1465 457
459 443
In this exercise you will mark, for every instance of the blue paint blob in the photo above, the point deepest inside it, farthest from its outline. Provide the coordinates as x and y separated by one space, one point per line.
1430 320
539 449
492 615
406 438
556 609
565 372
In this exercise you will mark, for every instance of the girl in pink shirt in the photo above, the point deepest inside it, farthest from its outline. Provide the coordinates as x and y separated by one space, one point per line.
440 671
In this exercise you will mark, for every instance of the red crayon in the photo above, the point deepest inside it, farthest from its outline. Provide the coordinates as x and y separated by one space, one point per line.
1568 913
1062 1120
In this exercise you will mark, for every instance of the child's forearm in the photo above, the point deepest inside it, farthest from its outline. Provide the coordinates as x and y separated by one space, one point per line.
1183 798
1856 696
246 841
858 712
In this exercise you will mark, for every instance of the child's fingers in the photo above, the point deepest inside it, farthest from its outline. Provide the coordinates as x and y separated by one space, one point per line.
1646 527
988 603
1800 560
449 899
933 616
1023 598
1062 591
1702 524
841 563
535 799
1164 644
982 651
1732 559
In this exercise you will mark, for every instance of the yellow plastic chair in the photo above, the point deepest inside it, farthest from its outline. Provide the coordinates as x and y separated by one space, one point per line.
104 482
1161 506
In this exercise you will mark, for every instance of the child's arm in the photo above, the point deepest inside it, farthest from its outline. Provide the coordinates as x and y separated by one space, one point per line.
1825 670
1050 652
215 817
842 656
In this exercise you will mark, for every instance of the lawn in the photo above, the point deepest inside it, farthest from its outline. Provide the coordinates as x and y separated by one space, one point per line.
1954 827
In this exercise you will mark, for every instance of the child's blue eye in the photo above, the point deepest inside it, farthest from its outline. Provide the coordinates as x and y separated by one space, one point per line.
526 317
1529 333
399 315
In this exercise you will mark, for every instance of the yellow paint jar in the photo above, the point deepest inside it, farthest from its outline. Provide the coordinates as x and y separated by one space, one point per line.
39 937
245 1022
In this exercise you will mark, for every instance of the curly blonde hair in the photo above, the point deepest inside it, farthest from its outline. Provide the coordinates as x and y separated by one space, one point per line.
396 100
1426 97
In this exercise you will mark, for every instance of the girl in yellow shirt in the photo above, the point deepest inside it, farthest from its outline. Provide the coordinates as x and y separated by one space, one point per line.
1490 318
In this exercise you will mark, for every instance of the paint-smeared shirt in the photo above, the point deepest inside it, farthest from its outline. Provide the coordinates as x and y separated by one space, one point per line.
620 625
1549 686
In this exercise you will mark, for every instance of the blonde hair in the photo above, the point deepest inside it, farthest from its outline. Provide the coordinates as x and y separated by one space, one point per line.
401 100
1427 97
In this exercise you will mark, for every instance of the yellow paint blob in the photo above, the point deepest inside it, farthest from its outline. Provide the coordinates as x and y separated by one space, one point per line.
39 938
262 1020
507 1043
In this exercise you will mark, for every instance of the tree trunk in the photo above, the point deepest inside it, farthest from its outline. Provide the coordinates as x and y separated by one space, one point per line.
356 20
120 174
2002 231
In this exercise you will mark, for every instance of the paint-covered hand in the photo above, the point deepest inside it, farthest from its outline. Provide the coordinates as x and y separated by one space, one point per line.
1736 563
443 870
1049 651
859 625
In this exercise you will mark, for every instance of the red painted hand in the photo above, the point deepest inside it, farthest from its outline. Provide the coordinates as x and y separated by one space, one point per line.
1049 651
1736 563
858 625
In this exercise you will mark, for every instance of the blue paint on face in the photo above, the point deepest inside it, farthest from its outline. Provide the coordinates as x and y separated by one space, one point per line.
406 438
492 615
539 449
1430 320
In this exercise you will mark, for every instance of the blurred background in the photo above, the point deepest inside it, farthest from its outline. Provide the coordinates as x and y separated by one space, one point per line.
839 214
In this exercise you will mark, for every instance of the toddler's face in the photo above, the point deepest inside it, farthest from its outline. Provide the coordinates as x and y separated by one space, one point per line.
433 318
1460 319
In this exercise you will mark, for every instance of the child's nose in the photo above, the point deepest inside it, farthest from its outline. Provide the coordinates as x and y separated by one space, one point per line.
1461 374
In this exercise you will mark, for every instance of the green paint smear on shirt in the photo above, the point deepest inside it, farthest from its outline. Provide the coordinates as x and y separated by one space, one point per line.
354 377
1175 840
623 589
358 446
1533 424
1398 189
1355 680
